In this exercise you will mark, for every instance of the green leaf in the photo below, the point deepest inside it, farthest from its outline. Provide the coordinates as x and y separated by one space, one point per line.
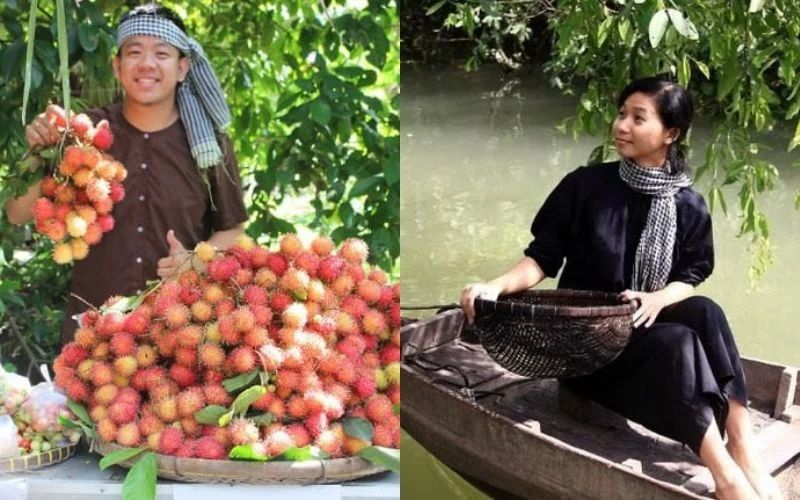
118 456
657 27
210 414
362 186
682 24
80 411
433 8
140 482
755 6
703 69
307 452
396 409
796 139
67 423
63 56
246 398
359 428
684 73
29 61
262 419
233 384
797 201
382 456
321 112
246 452
88 36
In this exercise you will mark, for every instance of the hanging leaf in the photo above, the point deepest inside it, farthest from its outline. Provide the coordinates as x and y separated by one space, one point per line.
320 112
118 456
26 91
433 8
233 384
80 411
210 414
382 456
657 27
682 24
796 138
359 428
63 55
308 452
140 482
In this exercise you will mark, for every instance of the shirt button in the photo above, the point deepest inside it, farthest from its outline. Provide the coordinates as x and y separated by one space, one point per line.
140 229
138 260
141 197
144 166
146 136
138 292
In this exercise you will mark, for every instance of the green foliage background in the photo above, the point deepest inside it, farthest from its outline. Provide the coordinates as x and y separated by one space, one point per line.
314 91
739 58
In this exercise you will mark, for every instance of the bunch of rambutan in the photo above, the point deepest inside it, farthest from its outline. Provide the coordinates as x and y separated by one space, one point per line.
313 327
77 198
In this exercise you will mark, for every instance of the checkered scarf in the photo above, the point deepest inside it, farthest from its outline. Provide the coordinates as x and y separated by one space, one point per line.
654 253
201 102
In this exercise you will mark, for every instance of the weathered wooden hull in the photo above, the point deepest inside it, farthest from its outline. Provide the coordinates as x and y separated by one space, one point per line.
515 435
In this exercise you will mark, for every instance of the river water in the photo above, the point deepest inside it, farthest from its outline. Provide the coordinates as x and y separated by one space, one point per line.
480 152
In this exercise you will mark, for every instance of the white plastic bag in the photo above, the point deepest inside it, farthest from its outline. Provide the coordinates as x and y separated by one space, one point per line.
9 437
43 407
14 390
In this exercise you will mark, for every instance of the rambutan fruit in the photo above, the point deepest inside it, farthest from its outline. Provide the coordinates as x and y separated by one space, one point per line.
277 408
190 294
123 344
213 293
103 206
322 246
256 337
190 401
330 268
128 434
279 301
106 223
177 316
243 319
277 263
262 315
278 441
354 305
258 257
222 269
382 435
212 333
107 430
137 322
215 394
85 337
105 169
84 368
241 360
211 355
272 357
186 449
351 346
265 278
125 366
62 253
242 431
228 333
80 124
374 323
98 190
101 374
264 401
170 440
77 390
291 245
202 311
80 249
392 373
254 295
48 186
110 323
299 434
296 407
295 281
224 307
308 262
167 409
378 408
209 448
98 412
150 424
116 192
121 412
73 354
354 250
369 290
182 375
352 445
317 423
293 357
43 209
189 335
295 315
329 442
343 285
186 356
365 384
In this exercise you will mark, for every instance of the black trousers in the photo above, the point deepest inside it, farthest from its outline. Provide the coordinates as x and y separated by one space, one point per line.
676 376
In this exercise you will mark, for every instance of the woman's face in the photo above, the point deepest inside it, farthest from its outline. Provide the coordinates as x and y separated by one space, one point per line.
639 133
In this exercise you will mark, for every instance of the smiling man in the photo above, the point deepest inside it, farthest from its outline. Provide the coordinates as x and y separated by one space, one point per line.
183 185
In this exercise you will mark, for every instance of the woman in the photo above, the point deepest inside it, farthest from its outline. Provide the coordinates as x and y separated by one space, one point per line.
638 228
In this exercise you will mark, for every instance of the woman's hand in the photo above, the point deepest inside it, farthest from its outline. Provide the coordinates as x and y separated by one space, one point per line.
473 290
650 304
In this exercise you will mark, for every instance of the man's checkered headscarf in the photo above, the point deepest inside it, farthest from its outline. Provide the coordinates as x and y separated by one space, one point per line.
201 102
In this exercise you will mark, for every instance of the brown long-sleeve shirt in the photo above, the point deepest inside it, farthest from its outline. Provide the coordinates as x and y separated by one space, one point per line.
164 190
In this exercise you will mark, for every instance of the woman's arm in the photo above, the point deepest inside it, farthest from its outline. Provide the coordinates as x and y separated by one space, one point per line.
525 274
652 303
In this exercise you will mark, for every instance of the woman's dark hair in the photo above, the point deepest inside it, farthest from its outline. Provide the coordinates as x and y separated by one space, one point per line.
153 9
674 107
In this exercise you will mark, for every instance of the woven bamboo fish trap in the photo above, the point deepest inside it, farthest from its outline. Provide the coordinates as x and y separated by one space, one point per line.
554 333
35 461
198 470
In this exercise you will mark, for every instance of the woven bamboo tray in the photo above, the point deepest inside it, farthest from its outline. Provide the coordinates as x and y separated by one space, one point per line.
37 460
198 470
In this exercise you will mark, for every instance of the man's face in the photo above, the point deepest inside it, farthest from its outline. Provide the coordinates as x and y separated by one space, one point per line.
149 69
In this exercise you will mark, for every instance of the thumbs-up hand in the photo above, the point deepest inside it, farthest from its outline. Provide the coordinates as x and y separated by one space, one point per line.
177 261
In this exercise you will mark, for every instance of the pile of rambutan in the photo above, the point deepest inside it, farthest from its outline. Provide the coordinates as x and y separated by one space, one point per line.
79 194
269 350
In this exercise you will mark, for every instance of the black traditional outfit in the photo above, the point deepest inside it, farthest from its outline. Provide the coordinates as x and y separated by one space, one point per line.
677 375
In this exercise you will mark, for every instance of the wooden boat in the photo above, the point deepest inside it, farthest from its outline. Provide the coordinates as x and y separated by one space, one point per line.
534 438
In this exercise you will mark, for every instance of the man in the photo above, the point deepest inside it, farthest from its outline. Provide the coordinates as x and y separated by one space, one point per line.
183 184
